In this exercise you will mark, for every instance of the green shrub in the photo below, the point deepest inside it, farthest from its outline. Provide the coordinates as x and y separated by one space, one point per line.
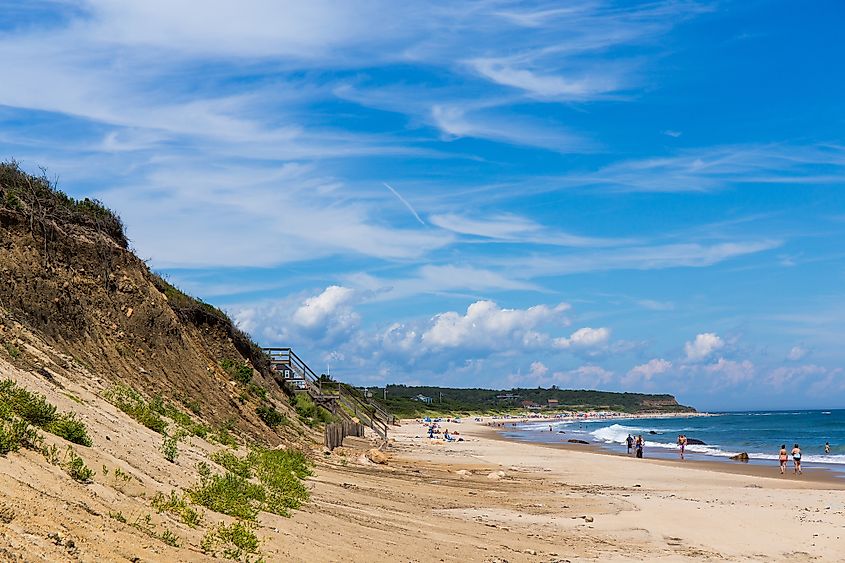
169 538
70 428
237 370
309 413
118 516
12 350
229 494
222 436
16 434
234 541
132 403
170 447
281 471
34 409
76 468
270 415
238 466
176 505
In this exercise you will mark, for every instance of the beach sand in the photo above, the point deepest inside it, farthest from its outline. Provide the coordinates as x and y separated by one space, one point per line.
418 507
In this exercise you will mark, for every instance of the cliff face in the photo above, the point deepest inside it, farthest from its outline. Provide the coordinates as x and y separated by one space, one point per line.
69 278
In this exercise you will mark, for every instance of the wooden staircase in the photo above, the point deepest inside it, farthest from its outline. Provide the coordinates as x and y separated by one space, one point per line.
338 398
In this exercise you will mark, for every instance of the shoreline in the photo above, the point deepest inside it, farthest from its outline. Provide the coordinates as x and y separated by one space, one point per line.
822 475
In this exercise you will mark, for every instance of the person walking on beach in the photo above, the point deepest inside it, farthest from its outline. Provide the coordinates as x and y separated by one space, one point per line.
796 459
640 446
630 441
682 444
782 458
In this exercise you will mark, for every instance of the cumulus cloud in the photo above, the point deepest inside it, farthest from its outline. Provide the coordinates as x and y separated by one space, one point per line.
315 311
584 338
703 346
645 372
486 325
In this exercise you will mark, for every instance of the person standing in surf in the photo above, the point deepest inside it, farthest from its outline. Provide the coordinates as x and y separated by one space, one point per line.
630 441
783 457
682 444
640 443
796 459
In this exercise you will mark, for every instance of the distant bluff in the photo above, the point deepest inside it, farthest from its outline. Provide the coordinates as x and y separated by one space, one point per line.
69 277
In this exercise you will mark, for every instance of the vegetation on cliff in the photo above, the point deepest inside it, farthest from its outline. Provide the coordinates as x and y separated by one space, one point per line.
402 400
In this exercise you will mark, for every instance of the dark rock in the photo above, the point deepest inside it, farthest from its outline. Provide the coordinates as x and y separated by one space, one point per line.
743 457
694 442
652 432
574 441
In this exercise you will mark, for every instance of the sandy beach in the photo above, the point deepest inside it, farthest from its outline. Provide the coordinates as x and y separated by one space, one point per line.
487 499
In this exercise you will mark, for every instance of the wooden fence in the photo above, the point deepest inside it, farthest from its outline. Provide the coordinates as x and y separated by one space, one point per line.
335 433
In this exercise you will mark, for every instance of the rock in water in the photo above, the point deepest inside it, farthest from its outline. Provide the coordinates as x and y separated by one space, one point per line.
376 456
741 457
574 441
694 442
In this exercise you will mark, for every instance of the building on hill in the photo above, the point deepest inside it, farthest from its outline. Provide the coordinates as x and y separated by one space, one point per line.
553 403
531 405
423 399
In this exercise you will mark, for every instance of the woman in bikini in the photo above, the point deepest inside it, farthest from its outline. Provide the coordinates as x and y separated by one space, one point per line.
796 459
783 457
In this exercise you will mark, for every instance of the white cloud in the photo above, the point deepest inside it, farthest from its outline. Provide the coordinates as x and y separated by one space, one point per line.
584 338
587 86
538 370
788 375
730 372
645 372
457 121
316 310
703 346
797 353
486 325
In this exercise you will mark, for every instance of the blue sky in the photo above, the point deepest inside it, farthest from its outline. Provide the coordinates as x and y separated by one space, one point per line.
624 196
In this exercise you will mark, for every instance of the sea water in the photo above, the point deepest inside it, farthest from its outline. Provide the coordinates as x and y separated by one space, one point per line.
760 434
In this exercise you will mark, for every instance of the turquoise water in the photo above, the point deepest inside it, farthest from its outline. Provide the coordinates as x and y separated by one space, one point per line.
760 434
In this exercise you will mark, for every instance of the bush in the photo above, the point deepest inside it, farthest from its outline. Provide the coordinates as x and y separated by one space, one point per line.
76 468
229 494
16 434
170 447
237 370
278 471
235 540
70 428
237 465
176 505
270 415
132 403
222 436
34 409
309 413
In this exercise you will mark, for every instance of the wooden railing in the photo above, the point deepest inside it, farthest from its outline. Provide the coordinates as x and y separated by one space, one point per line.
352 401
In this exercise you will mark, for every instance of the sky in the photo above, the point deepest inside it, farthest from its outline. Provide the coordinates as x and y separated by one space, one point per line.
605 195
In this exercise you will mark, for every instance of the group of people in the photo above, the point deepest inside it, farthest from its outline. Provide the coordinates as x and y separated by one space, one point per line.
434 428
635 444
783 458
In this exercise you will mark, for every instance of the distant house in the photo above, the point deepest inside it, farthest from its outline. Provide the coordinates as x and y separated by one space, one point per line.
531 405
553 403
423 399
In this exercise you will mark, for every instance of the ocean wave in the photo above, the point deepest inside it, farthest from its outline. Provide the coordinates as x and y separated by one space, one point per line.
615 433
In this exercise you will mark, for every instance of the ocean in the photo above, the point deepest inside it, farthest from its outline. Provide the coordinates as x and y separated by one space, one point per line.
760 434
